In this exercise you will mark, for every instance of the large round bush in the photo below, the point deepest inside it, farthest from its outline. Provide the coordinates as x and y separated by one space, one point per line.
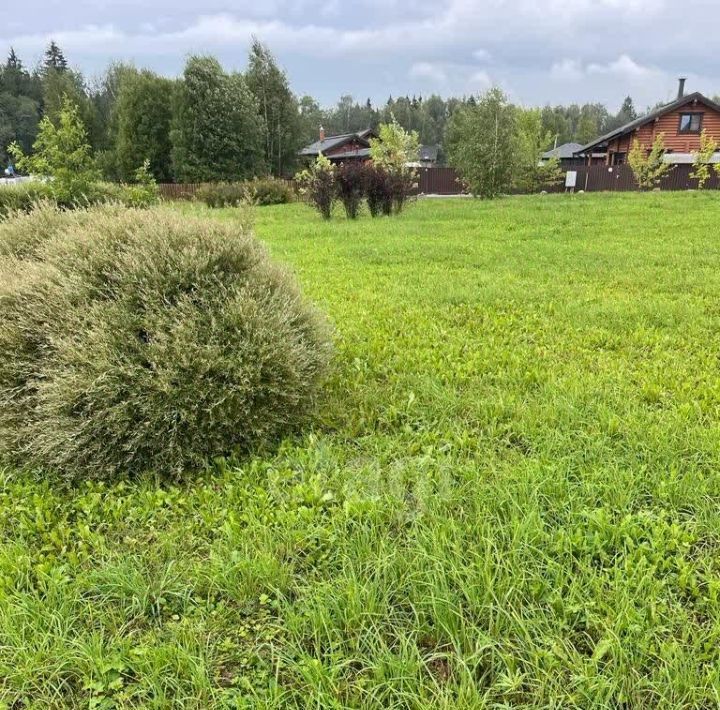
147 340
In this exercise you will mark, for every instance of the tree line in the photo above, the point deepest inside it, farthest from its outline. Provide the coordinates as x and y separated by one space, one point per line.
207 125
211 124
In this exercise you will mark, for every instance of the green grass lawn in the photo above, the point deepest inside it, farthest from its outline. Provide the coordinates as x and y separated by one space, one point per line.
510 496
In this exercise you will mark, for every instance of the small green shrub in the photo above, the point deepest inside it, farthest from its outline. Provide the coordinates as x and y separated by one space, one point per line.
138 340
22 197
270 191
259 191
96 193
144 191
62 154
223 194
648 164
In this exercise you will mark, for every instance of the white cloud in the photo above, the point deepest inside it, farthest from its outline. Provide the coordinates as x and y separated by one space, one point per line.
376 47
566 70
427 70
479 81
622 66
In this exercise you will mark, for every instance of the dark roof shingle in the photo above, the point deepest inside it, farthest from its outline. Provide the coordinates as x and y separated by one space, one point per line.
566 150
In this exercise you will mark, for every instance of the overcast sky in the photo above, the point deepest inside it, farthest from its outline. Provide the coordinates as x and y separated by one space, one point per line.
539 51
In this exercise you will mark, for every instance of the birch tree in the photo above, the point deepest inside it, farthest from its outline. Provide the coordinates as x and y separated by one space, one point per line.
481 143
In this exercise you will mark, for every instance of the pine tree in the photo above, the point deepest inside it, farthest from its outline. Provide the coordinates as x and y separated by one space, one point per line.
54 58
13 62
627 110
19 106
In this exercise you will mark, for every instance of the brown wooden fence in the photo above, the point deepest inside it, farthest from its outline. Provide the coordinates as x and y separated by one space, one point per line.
446 181
439 181
177 191
619 178
590 178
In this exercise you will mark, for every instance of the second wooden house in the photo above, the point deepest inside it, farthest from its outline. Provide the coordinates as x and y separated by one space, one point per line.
681 122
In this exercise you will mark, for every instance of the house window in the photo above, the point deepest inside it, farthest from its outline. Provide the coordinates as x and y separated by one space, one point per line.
690 123
618 158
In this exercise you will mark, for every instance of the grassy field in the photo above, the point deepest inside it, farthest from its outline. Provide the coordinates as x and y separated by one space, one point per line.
510 497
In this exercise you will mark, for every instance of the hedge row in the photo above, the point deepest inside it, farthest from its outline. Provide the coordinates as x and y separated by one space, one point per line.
260 191
22 197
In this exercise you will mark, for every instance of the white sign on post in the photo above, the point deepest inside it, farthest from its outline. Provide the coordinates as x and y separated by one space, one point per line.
571 179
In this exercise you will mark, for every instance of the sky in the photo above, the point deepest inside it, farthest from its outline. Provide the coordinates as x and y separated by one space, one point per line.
538 51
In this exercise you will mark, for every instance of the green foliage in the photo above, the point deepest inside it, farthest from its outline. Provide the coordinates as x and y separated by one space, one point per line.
217 132
62 158
54 58
550 174
143 191
223 194
270 191
22 197
531 141
392 151
311 118
512 499
627 112
61 154
481 144
20 98
258 191
143 118
147 341
277 107
348 116
702 159
581 124
59 84
394 147
649 166
317 185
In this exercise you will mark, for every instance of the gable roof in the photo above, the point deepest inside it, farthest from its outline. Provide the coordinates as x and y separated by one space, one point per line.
566 150
330 142
696 96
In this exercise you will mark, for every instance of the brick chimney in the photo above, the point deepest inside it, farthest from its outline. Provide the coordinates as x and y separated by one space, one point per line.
322 134
681 87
